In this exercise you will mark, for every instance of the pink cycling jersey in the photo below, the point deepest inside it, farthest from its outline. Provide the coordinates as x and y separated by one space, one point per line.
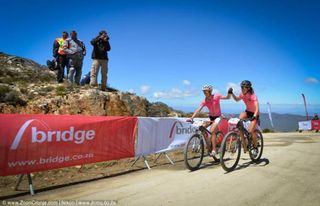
249 100
213 104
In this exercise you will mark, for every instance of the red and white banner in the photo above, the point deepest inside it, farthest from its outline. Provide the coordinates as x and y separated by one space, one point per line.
315 124
305 125
156 135
31 143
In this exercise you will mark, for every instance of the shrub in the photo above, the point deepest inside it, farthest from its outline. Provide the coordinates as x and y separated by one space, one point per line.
61 90
46 89
267 130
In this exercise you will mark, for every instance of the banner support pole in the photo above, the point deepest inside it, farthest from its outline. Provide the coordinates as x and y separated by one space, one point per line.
19 181
29 181
30 184
169 158
135 161
160 154
158 157
145 162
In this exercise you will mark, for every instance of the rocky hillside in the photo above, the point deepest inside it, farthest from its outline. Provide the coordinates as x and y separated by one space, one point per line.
27 87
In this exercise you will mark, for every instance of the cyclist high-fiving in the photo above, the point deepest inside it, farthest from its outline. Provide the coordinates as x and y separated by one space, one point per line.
252 110
212 102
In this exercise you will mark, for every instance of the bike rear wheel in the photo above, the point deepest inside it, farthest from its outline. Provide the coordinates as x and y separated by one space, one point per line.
256 158
230 151
194 152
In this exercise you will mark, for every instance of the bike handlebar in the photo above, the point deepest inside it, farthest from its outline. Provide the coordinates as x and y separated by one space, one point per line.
247 119
209 121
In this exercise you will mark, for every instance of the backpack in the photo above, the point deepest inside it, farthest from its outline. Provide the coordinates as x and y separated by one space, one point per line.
53 65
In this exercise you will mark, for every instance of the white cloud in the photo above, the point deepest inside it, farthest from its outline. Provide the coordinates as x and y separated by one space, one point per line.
186 82
312 80
131 91
175 94
236 87
144 89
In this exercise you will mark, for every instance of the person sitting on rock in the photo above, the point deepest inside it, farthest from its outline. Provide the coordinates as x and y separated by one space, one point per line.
85 79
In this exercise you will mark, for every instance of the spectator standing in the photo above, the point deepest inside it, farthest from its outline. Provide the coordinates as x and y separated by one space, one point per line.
75 50
101 46
60 56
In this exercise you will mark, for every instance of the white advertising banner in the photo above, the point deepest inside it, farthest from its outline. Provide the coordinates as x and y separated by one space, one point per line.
157 135
305 125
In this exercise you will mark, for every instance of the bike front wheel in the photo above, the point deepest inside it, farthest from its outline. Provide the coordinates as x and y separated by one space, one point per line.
230 151
193 152
255 157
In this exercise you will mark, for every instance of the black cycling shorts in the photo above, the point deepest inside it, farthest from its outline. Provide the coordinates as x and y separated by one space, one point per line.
212 118
251 114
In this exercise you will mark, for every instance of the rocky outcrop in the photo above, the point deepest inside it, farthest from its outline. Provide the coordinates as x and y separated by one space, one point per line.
27 87
16 70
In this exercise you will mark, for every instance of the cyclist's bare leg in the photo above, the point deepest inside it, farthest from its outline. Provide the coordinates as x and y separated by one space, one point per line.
243 115
252 129
214 129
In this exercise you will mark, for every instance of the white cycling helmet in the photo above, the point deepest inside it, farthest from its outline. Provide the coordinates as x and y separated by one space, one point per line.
207 87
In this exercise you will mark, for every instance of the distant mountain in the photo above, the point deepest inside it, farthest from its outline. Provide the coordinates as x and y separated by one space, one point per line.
281 122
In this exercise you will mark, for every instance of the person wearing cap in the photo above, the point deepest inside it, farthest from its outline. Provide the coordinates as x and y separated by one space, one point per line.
212 102
101 46
75 51
250 99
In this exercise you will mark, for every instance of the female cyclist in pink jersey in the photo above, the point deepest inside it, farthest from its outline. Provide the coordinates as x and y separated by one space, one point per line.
212 102
252 110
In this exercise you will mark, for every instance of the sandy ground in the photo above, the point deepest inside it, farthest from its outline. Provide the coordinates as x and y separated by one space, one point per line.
289 174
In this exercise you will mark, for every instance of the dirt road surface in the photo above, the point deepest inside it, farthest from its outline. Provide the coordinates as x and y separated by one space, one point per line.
288 174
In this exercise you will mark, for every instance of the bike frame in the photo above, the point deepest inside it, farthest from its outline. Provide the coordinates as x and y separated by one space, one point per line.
202 130
246 134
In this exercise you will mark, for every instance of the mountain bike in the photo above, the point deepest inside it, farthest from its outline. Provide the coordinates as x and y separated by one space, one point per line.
195 146
231 144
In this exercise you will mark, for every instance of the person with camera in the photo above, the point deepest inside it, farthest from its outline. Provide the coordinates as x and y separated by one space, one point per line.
101 46
60 56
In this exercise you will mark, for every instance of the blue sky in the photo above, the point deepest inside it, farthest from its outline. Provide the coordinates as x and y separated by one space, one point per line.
166 50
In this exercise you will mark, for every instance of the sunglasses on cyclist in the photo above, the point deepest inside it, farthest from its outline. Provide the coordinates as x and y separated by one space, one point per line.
245 87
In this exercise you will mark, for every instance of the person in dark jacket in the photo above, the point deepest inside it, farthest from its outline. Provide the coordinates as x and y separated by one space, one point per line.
101 46
60 56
